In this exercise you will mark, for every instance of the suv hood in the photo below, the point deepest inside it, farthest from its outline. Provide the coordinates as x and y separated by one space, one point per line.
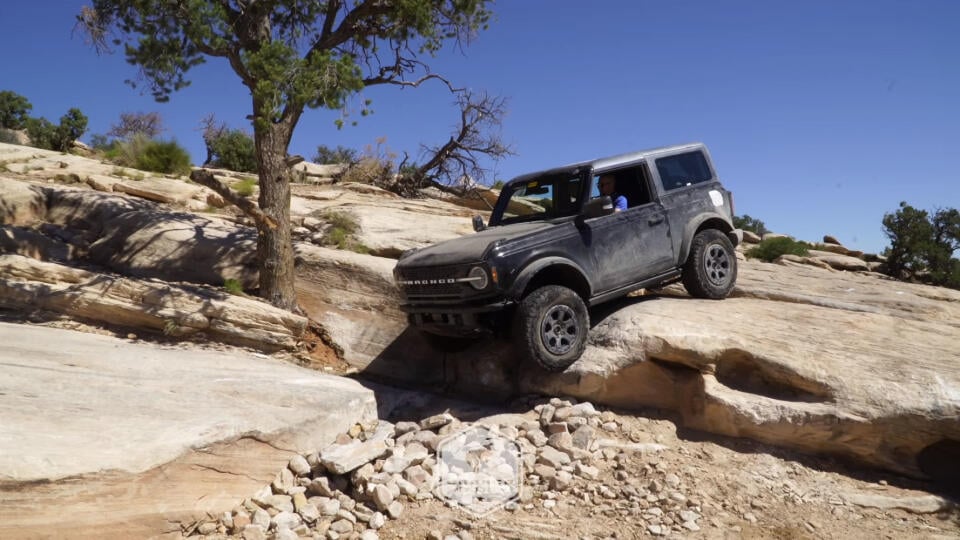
469 248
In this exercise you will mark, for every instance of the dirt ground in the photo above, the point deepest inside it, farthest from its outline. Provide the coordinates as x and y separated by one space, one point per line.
736 488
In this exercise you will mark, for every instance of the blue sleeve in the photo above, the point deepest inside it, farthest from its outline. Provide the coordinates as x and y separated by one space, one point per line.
620 203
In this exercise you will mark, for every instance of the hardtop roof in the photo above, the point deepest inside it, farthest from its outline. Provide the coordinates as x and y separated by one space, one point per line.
608 162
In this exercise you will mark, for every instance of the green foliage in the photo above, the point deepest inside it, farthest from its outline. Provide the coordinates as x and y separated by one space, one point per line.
341 154
748 223
245 187
923 246
772 248
165 157
14 110
72 126
498 184
8 136
342 227
233 286
233 149
43 134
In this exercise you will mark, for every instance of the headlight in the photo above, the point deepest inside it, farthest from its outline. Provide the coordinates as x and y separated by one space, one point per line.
478 278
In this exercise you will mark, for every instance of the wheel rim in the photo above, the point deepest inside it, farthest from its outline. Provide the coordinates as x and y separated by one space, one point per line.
716 263
558 329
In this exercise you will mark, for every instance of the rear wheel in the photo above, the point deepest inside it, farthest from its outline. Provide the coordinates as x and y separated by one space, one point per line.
711 268
551 326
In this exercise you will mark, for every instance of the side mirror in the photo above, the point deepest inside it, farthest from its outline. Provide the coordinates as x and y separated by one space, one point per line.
600 206
478 224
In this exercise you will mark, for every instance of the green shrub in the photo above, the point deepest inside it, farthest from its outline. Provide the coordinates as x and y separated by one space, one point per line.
245 187
42 133
72 126
326 155
165 157
340 234
771 248
233 286
13 110
8 136
748 223
233 149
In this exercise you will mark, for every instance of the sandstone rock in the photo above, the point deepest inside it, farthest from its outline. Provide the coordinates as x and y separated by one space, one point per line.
21 203
286 520
343 458
382 497
395 510
341 526
299 466
29 284
827 239
750 237
436 421
920 504
377 521
253 532
552 457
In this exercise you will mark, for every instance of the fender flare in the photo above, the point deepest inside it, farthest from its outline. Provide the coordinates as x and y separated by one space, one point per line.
531 270
715 220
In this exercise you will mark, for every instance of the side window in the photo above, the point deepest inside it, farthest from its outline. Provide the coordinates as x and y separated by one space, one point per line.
630 182
683 170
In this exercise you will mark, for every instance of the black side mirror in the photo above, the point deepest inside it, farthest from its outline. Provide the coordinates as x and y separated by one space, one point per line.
478 224
600 206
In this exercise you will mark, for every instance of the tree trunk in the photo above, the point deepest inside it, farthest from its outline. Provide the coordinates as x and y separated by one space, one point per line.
274 245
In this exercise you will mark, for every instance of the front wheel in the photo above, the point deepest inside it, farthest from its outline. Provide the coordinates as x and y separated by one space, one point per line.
551 326
711 268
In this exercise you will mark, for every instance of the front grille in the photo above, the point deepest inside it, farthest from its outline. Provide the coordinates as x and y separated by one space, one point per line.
434 290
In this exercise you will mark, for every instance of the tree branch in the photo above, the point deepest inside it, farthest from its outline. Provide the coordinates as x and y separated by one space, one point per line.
250 208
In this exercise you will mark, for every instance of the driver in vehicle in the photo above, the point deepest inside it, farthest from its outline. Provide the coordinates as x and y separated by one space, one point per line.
608 186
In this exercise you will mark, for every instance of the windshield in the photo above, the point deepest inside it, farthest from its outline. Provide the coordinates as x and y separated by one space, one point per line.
540 198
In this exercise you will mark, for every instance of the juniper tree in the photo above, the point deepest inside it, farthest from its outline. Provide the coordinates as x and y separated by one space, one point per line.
291 55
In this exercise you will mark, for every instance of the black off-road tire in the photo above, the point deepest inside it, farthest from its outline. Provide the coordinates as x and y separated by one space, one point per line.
711 268
550 327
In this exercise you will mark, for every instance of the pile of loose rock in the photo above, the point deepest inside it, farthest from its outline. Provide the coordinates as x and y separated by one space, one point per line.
573 457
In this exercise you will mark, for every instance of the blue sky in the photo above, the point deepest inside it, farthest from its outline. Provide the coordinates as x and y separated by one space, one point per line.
820 116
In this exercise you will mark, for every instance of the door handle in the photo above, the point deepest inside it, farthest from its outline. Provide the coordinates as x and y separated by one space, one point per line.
655 220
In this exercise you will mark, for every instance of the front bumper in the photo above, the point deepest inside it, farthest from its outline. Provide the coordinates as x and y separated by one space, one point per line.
456 319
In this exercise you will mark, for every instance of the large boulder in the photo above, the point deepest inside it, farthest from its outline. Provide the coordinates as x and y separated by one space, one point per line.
21 203
178 247
178 310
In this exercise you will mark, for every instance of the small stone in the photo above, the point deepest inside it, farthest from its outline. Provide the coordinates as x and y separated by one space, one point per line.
688 515
363 512
209 527
586 471
610 427
377 520
253 532
286 520
395 510
329 507
550 503
299 502
369 535
382 497
556 427
537 437
434 535
320 486
584 437
546 414
309 513
672 480
561 441
341 526
347 515
261 519
403 428
655 529
285 534
552 457
436 421
561 481
417 476
584 409
299 466
608 416
750 517
416 452
691 526
240 520
283 481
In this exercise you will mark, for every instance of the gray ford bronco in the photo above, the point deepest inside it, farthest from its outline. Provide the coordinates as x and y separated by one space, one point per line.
555 246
